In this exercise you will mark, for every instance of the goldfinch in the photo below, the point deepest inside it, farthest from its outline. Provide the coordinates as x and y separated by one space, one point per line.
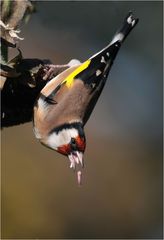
66 102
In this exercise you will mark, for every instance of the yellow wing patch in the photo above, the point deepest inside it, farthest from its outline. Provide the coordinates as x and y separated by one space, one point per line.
70 79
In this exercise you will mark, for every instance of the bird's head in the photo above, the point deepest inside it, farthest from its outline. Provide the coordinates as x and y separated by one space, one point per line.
69 140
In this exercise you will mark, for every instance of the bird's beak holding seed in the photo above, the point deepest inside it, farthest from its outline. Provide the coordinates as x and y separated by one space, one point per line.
77 163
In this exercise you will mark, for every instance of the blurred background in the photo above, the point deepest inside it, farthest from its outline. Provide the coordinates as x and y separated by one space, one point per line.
121 195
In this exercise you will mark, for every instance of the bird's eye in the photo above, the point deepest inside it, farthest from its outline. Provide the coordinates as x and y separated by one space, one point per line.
73 141
73 144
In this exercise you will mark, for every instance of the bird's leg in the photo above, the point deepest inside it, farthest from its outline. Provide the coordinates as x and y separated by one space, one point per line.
52 70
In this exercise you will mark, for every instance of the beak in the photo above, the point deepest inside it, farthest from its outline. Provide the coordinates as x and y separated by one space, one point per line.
77 163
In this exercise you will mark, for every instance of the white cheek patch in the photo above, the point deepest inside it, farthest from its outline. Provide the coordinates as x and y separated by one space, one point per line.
62 138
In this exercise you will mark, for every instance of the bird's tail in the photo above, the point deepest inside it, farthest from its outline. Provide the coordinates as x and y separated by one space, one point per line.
128 24
112 48
100 63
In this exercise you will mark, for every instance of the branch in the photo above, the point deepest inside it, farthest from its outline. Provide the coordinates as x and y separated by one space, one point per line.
20 93
21 79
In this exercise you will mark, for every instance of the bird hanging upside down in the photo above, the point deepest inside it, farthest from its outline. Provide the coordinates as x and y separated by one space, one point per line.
66 102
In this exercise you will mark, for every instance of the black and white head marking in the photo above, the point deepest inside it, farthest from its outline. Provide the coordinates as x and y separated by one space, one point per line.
64 134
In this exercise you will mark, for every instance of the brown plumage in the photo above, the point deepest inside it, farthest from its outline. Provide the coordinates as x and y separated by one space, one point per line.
66 102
